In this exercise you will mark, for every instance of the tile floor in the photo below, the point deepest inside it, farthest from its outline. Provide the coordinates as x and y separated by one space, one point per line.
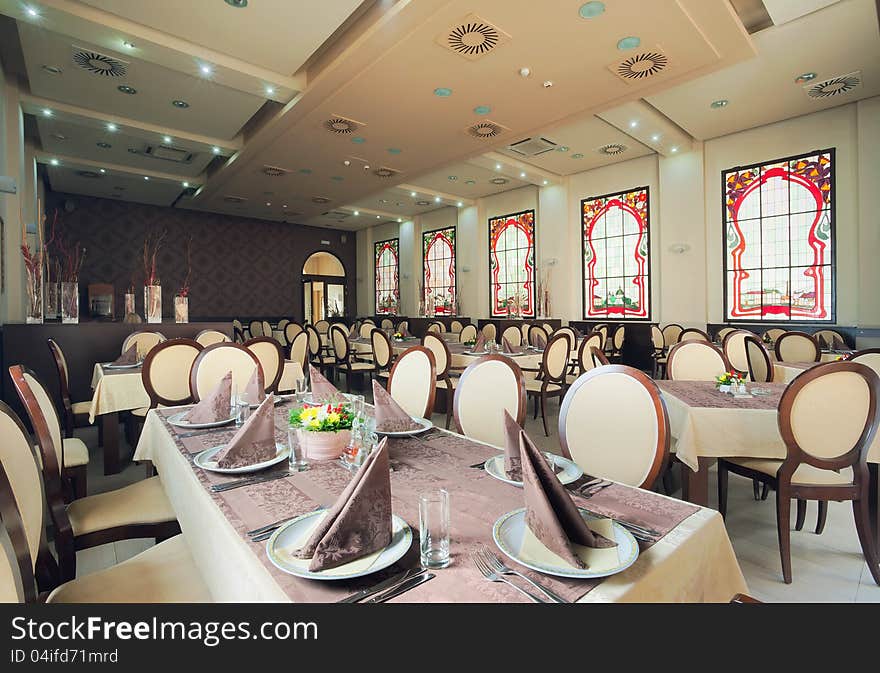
825 568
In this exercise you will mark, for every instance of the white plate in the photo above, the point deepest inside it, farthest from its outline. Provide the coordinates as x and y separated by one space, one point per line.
279 399
177 420
203 460
110 365
508 535
424 424
570 471
288 533
471 352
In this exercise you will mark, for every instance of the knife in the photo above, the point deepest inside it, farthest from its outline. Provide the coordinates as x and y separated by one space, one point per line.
402 588
391 582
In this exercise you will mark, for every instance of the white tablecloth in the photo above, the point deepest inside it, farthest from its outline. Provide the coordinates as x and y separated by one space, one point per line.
119 390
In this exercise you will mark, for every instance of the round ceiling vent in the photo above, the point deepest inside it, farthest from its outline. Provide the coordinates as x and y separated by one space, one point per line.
835 86
274 171
485 129
612 149
320 199
384 172
99 64
234 199
88 174
499 181
473 38
340 125
423 203
642 66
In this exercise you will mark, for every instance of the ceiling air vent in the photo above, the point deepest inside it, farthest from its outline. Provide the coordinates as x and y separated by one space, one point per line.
234 199
640 66
486 129
275 171
337 215
532 147
423 203
472 37
385 172
612 149
88 174
320 199
835 86
342 126
99 64
168 153
499 181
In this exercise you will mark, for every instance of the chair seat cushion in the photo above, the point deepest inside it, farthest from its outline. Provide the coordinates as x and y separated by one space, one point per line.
140 412
141 502
76 453
81 407
441 383
804 474
534 385
359 366
165 573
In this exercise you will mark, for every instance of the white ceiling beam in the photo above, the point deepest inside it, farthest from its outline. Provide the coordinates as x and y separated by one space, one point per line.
515 168
43 157
445 196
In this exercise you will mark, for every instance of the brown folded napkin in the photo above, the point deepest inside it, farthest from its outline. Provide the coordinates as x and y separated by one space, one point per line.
255 391
550 512
837 344
353 332
254 442
480 343
359 523
389 416
403 332
512 458
322 389
540 340
508 347
215 407
129 357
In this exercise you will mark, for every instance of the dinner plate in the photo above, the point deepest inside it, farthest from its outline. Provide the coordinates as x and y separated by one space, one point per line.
508 534
279 399
203 460
290 532
177 420
424 426
472 352
110 365
570 471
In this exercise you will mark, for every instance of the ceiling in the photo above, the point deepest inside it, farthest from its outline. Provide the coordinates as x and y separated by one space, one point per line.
264 81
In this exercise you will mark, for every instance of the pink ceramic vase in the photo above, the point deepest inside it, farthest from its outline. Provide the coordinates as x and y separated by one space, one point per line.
323 445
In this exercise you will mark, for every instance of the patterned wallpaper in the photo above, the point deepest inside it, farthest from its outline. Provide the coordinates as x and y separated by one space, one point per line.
241 267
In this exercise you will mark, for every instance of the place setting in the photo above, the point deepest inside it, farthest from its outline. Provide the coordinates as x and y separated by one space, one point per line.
128 360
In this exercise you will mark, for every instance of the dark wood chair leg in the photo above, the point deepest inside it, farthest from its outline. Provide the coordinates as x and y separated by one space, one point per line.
783 529
722 488
801 514
668 483
765 491
756 489
866 536
544 414
78 477
449 396
820 518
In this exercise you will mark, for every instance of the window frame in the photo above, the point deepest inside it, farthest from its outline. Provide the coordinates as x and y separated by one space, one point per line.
432 232
376 247
506 216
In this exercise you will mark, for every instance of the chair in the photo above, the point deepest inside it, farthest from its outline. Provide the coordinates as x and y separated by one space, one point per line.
144 340
342 352
734 347
491 385
658 341
602 329
271 357
436 326
370 321
524 332
412 382
456 326
211 336
237 331
316 350
723 332
536 336
267 329
772 334
291 331
214 362
548 328
282 324
617 339
760 367
166 372
828 417
550 380
599 358
383 353
671 333
299 349
403 325
442 361
323 326
134 511
633 452
695 361
693 334
513 335
570 333
73 411
869 357
468 333
797 347
387 323
365 330
490 331
165 572
584 354
830 339
255 329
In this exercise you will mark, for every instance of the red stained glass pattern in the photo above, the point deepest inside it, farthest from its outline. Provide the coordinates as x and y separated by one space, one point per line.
512 264
616 255
438 255
779 219
387 280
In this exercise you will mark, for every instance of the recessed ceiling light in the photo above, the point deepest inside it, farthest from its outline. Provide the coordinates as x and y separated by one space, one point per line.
525 72
127 44
497 167
102 170
805 77
547 83
545 182
443 92
633 124
452 177
112 127
268 203
655 137
167 139
186 184
346 162
146 177
400 219
104 146
459 204
673 149
284 205
131 91
206 69
378 217
591 10
522 175
412 194
215 150
470 182
715 104
482 110
47 112
52 69
628 43
31 12
54 162
180 104
366 167
423 203
357 212
383 200
562 148
270 90
436 199
238 4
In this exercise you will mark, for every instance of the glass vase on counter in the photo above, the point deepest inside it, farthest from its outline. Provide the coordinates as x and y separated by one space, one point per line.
69 302
181 308
53 300
153 303
129 303
34 288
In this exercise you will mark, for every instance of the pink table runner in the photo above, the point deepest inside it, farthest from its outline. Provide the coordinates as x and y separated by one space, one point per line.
705 394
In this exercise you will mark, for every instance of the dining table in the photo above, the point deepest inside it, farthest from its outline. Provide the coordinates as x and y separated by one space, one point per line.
460 354
689 557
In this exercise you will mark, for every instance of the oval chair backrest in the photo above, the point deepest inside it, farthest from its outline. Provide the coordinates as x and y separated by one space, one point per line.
671 334
403 325
602 329
570 334
758 358
693 334
870 357
339 339
695 361
323 326
599 357
145 341
773 333
513 335
211 336
365 330
382 351
282 324
734 347
585 355
440 350
537 336
413 381
214 362
267 329
797 347
63 371
619 335
166 372
435 327
41 411
554 361
314 341
524 332
548 328
255 328
291 331
657 339
489 331
723 332
828 415
271 358
299 349
489 386
456 326
387 323
468 333
370 321
633 452
829 338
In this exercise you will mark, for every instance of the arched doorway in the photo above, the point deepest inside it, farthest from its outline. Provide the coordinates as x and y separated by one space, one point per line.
323 286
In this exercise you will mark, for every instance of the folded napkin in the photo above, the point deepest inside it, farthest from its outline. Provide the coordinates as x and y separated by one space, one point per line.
359 523
550 512
216 406
540 340
322 389
254 442
837 344
403 332
389 415
255 391
508 347
480 343
512 458
353 332
129 357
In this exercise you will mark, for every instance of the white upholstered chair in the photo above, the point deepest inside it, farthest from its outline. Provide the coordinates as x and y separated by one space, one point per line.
870 357
617 339
695 361
345 357
76 414
291 330
387 323
489 386
584 354
760 366
723 332
830 339
490 331
299 349
773 334
271 357
144 340
513 335
468 333
671 333
442 365
797 347
693 334
255 329
365 329
734 347
549 380
165 373
211 336
413 381
214 362
383 353
456 326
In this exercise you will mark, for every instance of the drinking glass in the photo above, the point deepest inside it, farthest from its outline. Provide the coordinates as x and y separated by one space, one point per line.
244 409
302 385
434 528
298 462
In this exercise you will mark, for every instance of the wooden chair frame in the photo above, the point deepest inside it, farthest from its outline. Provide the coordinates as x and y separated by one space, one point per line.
547 379
270 384
677 347
155 398
522 398
786 335
429 405
70 419
201 356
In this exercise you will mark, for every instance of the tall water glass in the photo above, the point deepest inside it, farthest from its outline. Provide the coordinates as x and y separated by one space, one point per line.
298 462
434 528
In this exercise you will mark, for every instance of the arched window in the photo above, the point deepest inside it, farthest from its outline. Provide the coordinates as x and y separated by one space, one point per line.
778 236
387 280
512 264
438 255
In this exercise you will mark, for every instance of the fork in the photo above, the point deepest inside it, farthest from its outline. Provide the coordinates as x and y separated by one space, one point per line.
496 564
592 489
492 576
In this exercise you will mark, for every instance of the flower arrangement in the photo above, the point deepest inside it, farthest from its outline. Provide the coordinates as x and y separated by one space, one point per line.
470 342
397 336
728 378
322 417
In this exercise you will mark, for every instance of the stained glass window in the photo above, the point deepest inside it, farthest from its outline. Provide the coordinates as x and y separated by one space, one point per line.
616 250
512 264
778 235
387 280
438 255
